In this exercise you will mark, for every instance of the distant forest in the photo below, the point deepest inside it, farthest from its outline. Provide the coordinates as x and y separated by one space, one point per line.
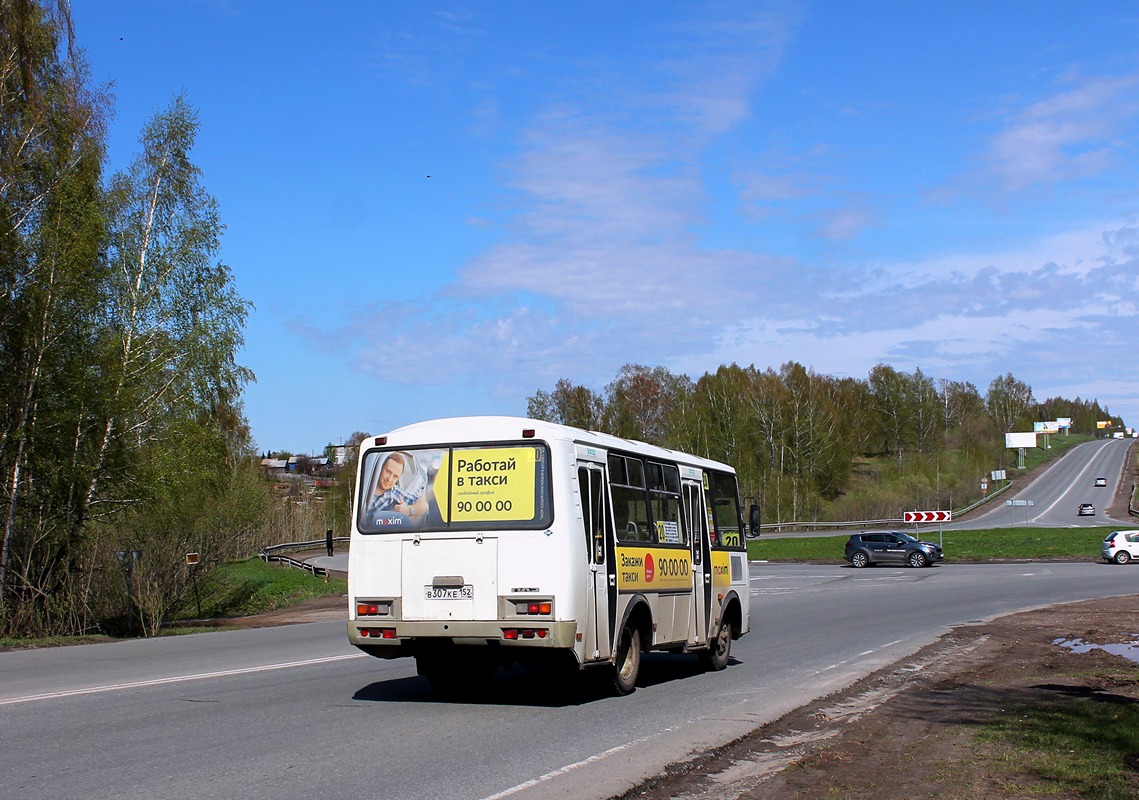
810 447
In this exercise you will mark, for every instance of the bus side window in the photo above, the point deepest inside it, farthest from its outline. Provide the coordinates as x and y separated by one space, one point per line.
631 514
664 493
630 503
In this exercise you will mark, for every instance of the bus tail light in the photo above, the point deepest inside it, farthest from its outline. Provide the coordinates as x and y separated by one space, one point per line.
544 607
378 633
524 633
373 608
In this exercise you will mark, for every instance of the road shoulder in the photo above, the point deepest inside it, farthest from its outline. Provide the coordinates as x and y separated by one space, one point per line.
908 730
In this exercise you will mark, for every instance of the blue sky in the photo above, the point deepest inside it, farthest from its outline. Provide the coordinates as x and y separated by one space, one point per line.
437 209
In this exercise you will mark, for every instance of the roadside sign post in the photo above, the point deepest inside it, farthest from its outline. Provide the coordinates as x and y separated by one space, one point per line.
192 560
928 516
1027 504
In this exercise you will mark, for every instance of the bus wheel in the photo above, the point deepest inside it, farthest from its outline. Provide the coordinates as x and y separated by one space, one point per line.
628 659
716 658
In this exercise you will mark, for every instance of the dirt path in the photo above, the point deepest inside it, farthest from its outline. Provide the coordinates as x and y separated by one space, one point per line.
909 730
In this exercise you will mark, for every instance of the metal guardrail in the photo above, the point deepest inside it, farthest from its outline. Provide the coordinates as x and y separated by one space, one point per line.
272 553
984 500
780 527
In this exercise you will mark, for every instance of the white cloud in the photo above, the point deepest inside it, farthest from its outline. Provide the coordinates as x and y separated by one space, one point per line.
1071 134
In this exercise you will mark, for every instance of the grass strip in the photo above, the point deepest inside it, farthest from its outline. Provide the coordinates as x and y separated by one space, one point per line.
240 588
1078 743
979 545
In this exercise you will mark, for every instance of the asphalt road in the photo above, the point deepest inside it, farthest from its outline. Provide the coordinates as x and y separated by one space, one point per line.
1057 493
1049 501
295 712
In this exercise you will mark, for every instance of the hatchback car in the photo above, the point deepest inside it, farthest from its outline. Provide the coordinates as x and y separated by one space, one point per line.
1121 546
890 547
1101 482
1086 510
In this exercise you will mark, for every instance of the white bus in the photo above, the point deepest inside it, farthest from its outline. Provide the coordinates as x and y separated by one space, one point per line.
481 541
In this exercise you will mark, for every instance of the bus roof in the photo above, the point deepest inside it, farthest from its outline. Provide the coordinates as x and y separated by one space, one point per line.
452 430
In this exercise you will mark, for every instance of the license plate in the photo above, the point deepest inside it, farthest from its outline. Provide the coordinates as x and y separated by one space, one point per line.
449 592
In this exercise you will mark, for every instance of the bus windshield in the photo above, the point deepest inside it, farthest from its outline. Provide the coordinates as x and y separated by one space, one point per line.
490 487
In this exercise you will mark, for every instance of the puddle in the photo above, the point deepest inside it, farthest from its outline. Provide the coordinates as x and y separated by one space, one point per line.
1128 650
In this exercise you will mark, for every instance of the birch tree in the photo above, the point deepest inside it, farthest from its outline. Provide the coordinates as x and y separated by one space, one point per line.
1008 401
51 152
174 324
639 402
891 408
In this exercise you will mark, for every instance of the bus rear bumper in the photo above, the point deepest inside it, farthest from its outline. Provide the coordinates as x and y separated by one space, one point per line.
396 639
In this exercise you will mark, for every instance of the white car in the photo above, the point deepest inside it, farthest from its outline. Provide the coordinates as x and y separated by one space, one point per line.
1121 546
1101 481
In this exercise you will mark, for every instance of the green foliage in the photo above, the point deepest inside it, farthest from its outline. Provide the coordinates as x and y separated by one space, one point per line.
121 425
1010 403
640 401
51 288
813 448
567 405
251 586
199 502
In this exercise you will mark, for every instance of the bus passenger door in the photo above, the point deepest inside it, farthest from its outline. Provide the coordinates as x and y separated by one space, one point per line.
696 520
601 572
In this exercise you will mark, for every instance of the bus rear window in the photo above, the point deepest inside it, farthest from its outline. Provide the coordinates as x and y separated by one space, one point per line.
489 487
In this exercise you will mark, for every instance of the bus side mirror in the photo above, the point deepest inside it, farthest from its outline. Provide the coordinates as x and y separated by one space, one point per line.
753 519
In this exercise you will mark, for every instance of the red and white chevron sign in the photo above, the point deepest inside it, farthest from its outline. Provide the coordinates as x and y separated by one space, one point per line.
927 516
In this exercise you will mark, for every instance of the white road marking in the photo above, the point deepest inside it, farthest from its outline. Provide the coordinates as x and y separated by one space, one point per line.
114 687
592 759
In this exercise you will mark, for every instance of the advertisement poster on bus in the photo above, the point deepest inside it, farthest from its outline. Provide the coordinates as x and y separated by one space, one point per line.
435 488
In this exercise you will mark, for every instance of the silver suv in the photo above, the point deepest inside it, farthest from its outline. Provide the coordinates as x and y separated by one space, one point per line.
890 547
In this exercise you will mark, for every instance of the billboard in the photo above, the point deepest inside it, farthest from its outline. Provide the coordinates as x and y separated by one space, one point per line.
1020 439
1064 422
